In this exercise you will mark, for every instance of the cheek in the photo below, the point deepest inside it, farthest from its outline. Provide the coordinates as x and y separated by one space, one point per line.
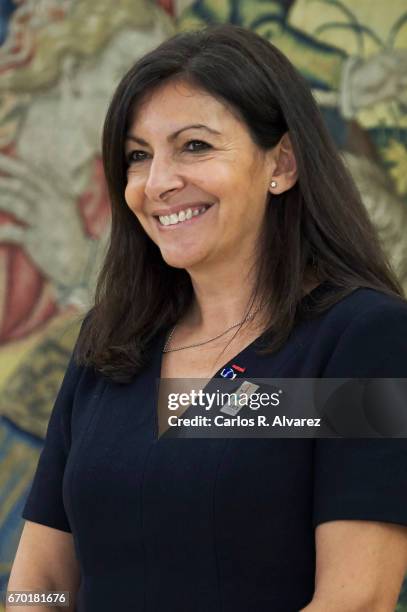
133 196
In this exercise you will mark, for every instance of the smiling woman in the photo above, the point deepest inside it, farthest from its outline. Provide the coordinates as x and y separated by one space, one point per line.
239 248
218 124
200 201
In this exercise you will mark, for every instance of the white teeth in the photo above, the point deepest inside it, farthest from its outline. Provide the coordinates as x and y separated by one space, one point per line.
183 215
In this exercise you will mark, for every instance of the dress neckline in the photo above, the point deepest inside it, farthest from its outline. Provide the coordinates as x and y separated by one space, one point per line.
316 291
311 295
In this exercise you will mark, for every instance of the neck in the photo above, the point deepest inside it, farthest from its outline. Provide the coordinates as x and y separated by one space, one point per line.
221 299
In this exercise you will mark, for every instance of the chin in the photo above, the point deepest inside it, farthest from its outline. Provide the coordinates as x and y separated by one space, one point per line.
181 259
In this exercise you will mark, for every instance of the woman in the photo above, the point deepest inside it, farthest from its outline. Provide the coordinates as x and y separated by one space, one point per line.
238 244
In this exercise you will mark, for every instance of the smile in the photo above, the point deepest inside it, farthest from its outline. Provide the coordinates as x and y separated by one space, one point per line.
184 217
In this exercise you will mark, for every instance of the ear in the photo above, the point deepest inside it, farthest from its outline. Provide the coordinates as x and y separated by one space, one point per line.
284 166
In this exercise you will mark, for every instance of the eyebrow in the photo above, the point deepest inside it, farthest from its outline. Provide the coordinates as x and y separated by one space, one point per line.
171 137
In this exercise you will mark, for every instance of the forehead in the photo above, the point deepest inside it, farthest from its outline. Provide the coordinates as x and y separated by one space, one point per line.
178 103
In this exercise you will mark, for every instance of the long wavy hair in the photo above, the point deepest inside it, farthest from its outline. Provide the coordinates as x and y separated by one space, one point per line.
320 220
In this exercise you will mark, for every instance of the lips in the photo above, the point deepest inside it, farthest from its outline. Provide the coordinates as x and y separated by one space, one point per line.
166 223
176 209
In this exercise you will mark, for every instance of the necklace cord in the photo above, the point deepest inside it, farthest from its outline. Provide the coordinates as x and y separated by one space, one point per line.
166 348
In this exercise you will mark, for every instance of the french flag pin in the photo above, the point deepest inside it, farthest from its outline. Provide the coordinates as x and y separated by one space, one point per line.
231 372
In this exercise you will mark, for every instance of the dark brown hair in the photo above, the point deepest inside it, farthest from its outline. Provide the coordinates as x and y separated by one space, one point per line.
321 220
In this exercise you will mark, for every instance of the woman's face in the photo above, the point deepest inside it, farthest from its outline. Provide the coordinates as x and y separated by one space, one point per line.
200 192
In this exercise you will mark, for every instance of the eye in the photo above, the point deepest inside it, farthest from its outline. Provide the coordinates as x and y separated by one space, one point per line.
135 157
202 146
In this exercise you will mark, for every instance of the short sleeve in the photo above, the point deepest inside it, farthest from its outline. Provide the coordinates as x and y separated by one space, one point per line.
44 504
365 478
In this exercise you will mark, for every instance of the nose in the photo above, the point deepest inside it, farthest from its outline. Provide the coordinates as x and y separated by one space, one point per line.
162 179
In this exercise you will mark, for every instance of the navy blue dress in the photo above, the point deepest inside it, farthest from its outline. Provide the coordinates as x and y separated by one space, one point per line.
218 525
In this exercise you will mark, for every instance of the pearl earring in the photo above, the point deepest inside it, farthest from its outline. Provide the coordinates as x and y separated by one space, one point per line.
273 184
